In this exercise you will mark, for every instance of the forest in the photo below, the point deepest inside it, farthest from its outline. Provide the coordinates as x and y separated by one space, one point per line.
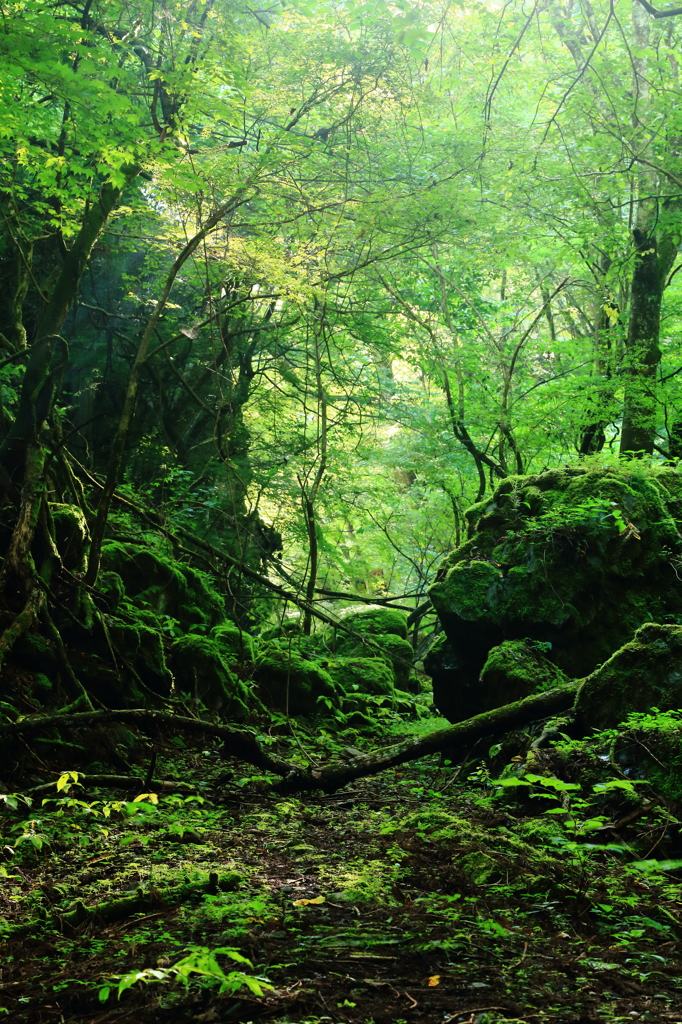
340 511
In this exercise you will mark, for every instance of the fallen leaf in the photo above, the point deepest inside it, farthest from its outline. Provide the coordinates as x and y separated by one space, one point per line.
307 903
433 981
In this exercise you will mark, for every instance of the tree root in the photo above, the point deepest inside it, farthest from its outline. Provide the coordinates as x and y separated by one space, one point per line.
457 739
22 622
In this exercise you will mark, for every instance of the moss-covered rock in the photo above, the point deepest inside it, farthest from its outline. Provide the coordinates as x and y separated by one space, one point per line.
34 652
478 867
286 679
235 645
109 683
112 590
201 671
142 649
645 673
515 669
373 620
397 652
164 586
576 558
361 675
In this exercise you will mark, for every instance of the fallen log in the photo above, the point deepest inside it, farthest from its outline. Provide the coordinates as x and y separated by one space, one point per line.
456 739
242 745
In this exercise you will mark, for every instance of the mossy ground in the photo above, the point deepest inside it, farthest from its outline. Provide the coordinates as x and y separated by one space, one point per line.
406 898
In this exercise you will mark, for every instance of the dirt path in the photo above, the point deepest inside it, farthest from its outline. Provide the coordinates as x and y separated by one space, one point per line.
403 899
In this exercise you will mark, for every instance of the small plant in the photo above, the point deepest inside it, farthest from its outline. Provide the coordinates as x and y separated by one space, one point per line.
200 961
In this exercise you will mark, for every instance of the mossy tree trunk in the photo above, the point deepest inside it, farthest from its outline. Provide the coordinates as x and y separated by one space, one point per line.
655 249
458 740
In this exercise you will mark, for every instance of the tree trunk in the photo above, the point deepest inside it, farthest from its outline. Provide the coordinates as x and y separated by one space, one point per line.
41 376
655 251
654 256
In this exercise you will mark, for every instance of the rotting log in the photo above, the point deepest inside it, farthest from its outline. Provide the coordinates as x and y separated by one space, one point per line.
456 739
242 745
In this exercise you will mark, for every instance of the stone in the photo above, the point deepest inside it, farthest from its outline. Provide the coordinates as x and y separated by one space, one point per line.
577 559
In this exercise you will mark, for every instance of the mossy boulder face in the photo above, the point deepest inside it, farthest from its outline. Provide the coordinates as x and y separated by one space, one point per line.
575 558
111 684
398 653
361 675
515 669
201 671
645 673
164 586
142 648
286 679
235 645
372 620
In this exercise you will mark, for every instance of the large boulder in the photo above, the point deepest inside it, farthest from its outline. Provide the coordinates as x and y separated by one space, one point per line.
577 559
201 671
362 675
376 632
372 620
515 669
643 674
164 586
289 681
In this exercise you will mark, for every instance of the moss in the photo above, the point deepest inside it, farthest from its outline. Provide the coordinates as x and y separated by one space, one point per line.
164 586
401 654
71 535
540 831
111 587
142 648
398 653
235 644
361 675
33 652
110 684
42 685
470 589
201 671
515 669
285 677
373 620
478 867
578 558
645 673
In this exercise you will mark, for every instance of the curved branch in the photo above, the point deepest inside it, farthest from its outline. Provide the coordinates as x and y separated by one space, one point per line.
672 12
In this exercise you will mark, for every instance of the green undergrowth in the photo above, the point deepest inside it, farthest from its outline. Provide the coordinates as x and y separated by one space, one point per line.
550 887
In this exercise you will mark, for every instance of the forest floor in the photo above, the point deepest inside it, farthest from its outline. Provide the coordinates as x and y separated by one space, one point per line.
408 898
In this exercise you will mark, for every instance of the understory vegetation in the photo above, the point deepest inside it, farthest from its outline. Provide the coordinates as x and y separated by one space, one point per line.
340 511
